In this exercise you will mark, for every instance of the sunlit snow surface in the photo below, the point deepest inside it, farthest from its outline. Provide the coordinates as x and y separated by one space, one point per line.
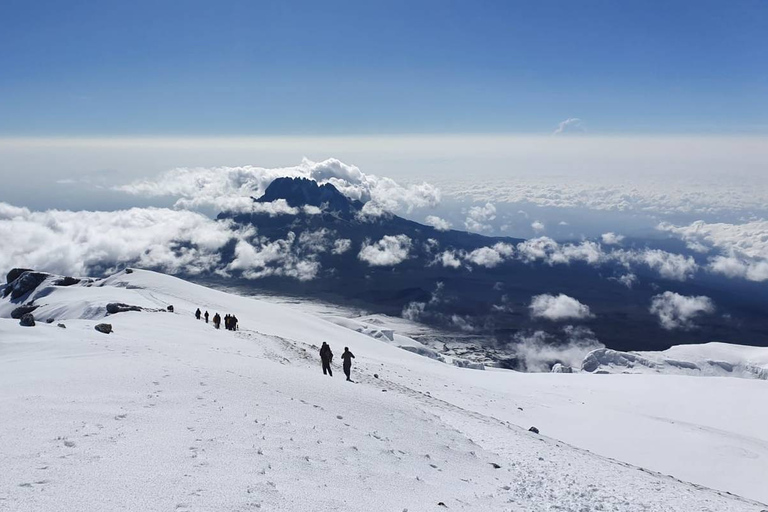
167 413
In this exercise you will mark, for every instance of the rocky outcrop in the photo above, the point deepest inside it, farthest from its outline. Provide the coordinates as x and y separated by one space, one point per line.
303 191
21 311
27 320
66 281
25 282
119 307
463 363
15 273
104 328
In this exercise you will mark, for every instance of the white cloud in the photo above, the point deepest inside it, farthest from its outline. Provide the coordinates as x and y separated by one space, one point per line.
448 259
538 226
611 238
547 250
485 257
272 258
390 250
540 349
668 265
732 266
627 280
570 125
413 311
462 323
341 245
174 241
743 247
275 208
437 223
231 188
479 216
676 311
491 256
67 242
558 307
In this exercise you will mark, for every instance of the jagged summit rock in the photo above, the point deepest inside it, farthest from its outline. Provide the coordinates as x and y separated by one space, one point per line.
22 281
305 192
15 274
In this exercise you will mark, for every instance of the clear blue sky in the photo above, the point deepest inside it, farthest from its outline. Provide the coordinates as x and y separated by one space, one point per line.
327 67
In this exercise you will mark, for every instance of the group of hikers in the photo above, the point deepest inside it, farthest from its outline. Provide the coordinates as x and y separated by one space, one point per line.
230 321
326 355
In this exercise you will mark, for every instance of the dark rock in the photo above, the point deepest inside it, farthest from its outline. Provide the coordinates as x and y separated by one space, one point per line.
105 328
61 325
49 321
21 311
441 504
495 466
303 191
119 307
24 284
534 430
170 309
15 273
375 375
27 320
129 271
66 281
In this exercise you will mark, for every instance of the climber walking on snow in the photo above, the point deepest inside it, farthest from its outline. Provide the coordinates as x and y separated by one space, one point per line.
197 314
347 357
326 356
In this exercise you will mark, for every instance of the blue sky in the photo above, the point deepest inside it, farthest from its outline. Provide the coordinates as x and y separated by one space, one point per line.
226 68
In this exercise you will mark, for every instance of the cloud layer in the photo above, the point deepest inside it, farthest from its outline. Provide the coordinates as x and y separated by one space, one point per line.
742 249
231 188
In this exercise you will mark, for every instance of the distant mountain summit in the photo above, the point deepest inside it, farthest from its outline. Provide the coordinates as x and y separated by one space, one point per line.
299 192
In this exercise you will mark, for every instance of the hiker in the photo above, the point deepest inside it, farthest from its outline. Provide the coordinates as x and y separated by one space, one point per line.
206 317
198 313
216 320
226 322
347 357
233 321
325 356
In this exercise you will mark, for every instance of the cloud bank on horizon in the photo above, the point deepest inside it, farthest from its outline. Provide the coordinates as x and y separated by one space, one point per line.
182 239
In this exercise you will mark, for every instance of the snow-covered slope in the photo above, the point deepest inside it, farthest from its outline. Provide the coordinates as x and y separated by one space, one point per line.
708 359
167 413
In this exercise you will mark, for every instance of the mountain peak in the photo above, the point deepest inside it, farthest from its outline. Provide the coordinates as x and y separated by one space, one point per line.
302 191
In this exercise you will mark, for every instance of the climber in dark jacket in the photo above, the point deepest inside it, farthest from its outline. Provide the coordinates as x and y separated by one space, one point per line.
216 320
326 356
233 322
198 313
347 357
206 317
226 322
